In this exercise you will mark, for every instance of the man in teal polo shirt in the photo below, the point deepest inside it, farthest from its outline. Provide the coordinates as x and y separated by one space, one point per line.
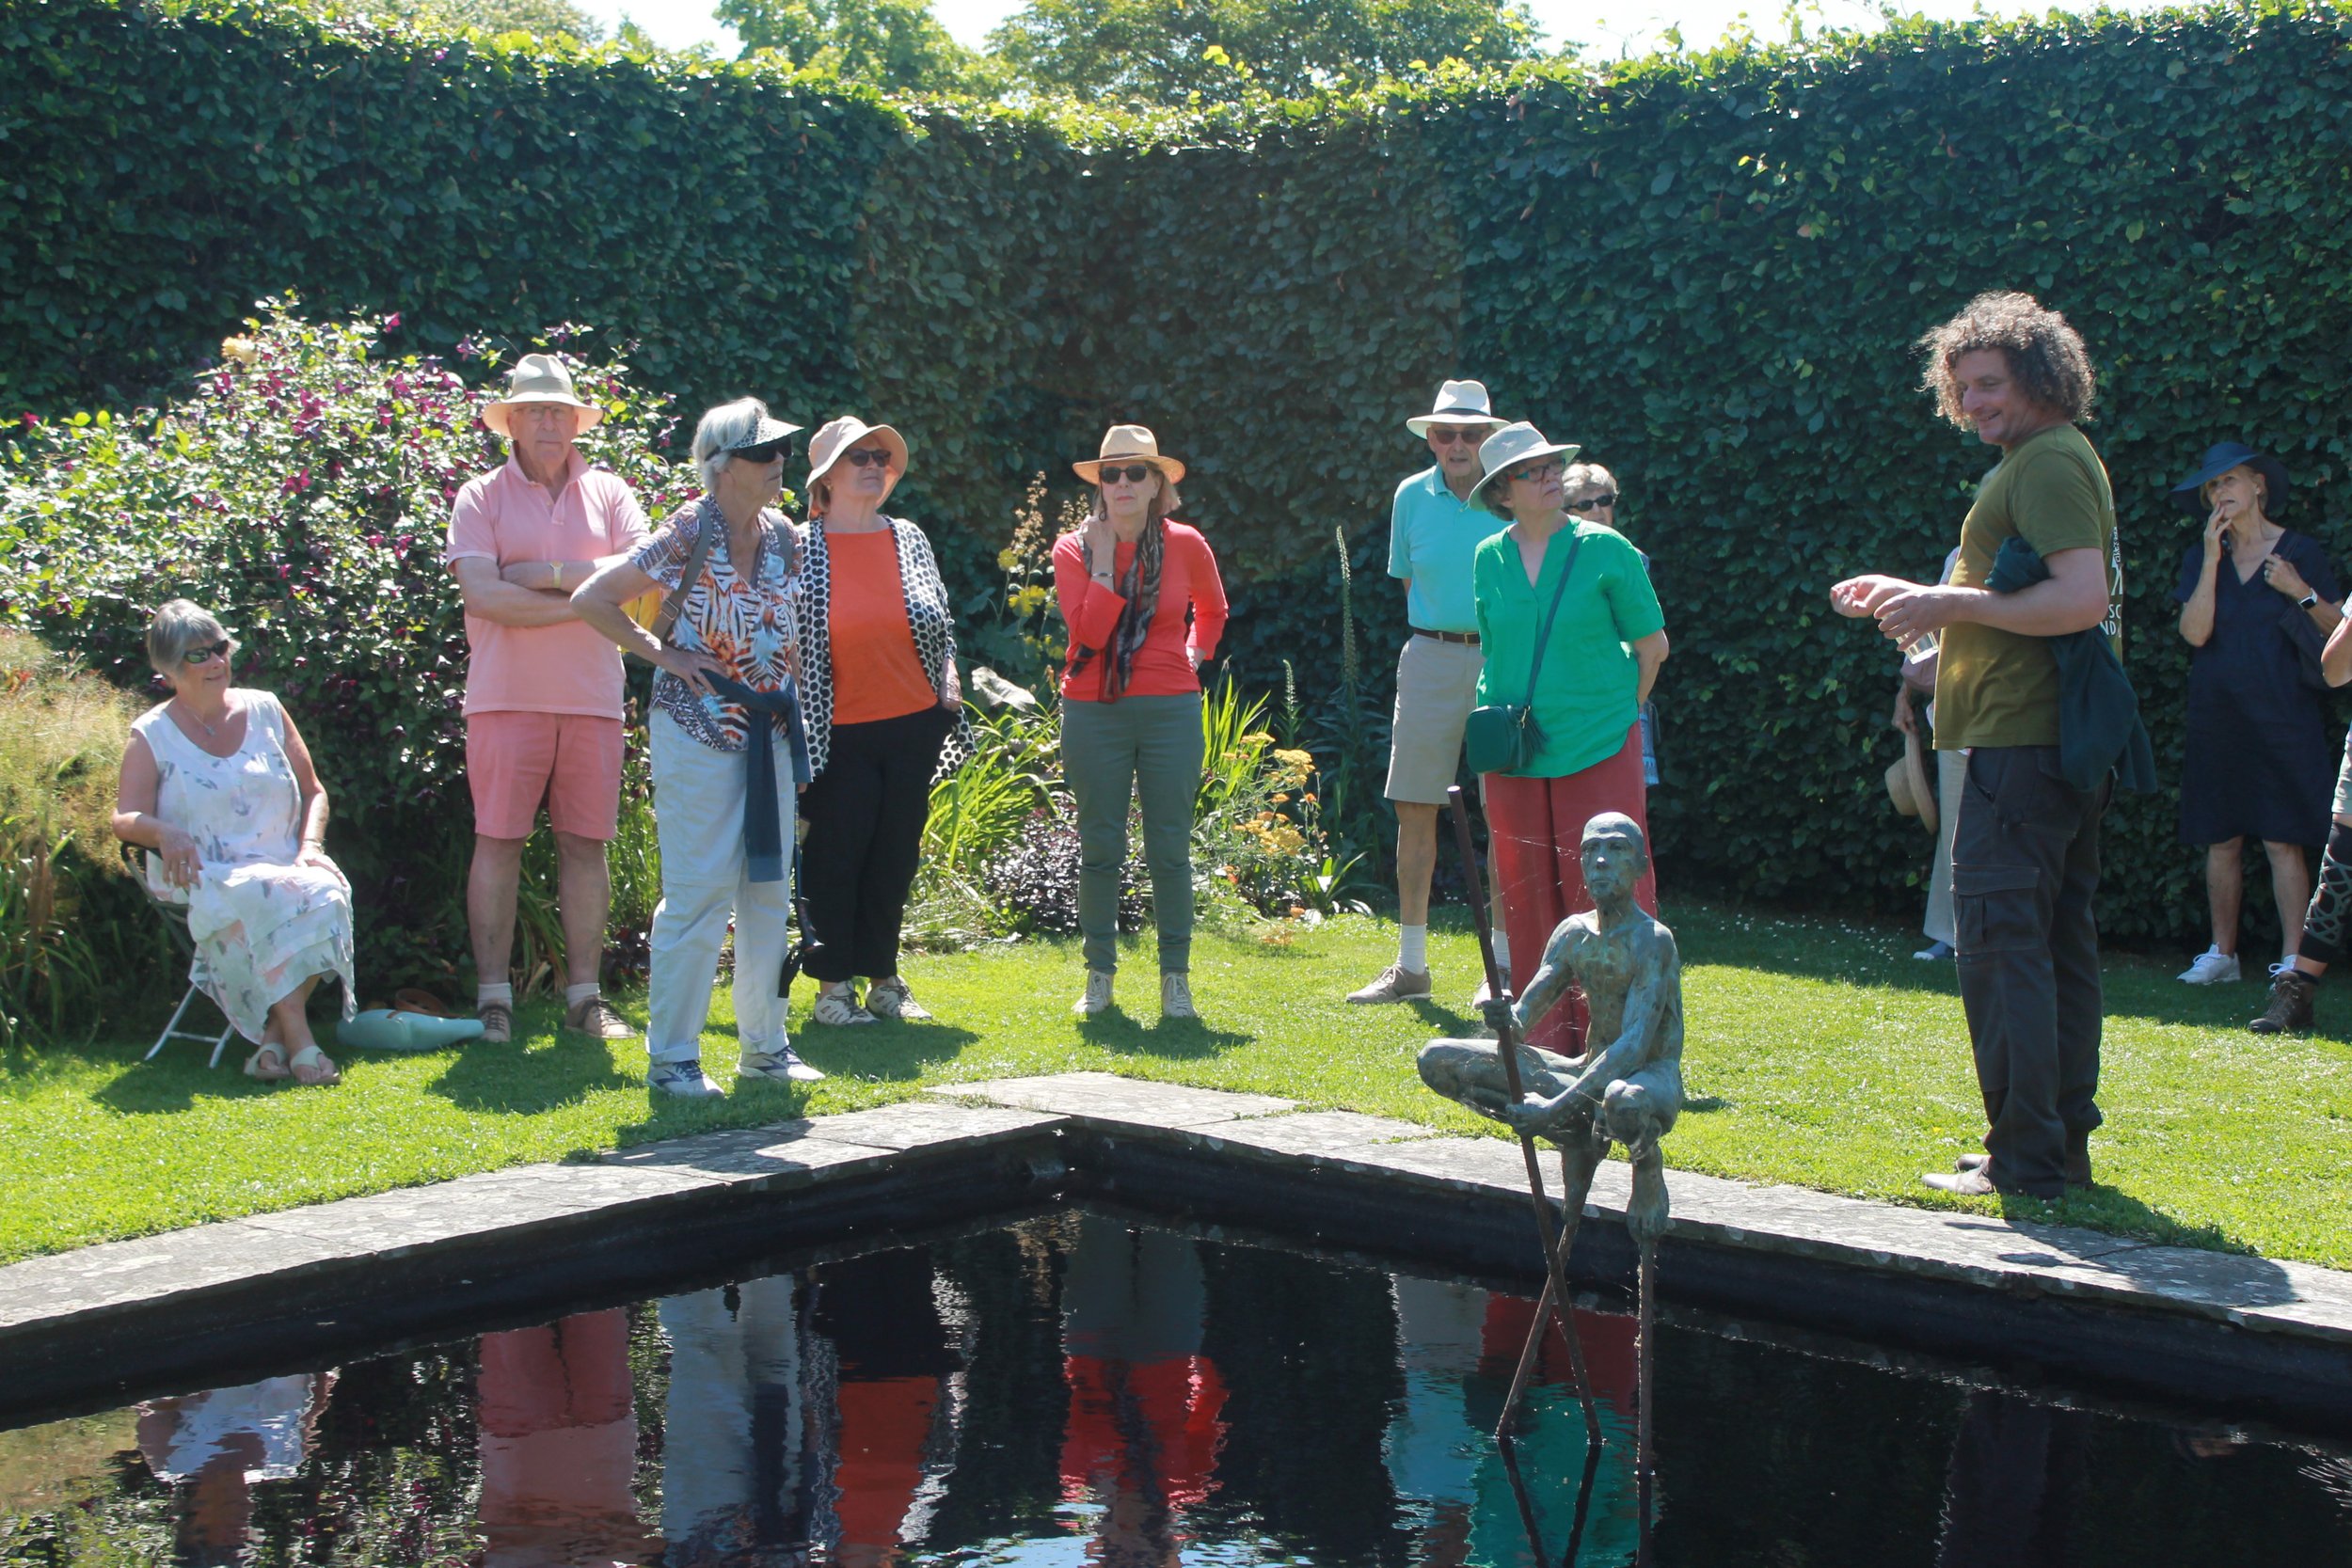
1434 531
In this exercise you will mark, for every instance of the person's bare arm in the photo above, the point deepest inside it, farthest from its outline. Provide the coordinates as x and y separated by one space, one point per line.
313 851
1650 652
2335 659
554 576
491 597
2073 599
135 820
2197 613
598 602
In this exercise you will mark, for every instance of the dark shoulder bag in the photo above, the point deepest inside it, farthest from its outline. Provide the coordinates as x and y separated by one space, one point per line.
1503 737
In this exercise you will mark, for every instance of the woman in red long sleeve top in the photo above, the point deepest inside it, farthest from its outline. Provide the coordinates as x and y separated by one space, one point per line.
1145 607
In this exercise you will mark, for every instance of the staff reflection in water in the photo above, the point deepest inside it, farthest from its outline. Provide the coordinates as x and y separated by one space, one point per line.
213 1447
559 1445
1456 1345
1143 1433
796 1422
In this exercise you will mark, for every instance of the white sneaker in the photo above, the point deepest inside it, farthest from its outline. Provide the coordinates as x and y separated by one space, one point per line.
1098 996
778 1066
892 1000
683 1079
2212 967
839 1006
1176 996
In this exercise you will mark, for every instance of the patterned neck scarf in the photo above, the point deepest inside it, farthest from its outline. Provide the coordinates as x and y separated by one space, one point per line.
1141 590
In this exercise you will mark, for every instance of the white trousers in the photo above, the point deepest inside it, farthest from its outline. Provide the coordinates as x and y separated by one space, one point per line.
698 809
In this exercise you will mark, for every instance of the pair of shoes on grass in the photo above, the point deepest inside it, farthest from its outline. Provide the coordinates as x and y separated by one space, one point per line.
1175 995
886 998
592 1016
1971 1174
685 1080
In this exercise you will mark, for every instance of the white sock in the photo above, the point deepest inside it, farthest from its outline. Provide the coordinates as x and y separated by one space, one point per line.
575 995
482 995
1412 947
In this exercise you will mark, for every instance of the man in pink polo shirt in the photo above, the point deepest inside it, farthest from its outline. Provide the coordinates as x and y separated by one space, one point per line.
542 690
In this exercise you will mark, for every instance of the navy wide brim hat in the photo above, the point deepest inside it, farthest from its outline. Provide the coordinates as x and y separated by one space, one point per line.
2219 460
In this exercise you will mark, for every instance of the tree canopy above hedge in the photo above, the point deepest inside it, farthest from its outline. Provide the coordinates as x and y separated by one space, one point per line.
1708 270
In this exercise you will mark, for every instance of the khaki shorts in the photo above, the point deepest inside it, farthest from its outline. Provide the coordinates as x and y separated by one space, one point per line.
1437 686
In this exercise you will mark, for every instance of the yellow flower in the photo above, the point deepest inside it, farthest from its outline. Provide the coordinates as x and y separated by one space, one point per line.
1281 798
243 350
1007 559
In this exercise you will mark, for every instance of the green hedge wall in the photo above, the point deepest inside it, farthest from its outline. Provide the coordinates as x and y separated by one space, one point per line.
1706 269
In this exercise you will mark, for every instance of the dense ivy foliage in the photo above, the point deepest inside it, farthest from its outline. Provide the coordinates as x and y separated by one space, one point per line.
1708 270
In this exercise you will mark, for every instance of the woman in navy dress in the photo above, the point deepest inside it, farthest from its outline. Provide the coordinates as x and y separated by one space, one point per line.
2257 763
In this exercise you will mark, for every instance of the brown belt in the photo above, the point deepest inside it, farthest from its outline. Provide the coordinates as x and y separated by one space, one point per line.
1468 639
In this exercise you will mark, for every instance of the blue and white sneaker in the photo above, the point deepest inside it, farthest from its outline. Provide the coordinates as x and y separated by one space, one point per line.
777 1067
683 1079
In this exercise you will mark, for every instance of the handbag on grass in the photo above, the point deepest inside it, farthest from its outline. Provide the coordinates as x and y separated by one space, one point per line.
1503 737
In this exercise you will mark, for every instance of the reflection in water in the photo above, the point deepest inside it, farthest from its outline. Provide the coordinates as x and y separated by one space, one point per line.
1072 1391
212 1448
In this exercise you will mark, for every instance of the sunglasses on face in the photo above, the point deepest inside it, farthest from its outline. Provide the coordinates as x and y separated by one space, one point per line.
767 451
1535 472
1133 474
1452 435
1590 503
197 657
867 458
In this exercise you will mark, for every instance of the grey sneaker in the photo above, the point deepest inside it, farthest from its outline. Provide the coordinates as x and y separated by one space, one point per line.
497 1022
683 1079
838 1008
1176 996
598 1019
777 1067
891 999
1098 995
1396 984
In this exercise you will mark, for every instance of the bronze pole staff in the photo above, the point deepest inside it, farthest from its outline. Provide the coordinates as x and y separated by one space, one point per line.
1555 1262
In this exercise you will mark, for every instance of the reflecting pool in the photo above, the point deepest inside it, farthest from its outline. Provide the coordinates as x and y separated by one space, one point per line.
1077 1390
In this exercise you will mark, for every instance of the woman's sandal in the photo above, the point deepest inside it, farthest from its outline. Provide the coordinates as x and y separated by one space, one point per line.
267 1072
311 1059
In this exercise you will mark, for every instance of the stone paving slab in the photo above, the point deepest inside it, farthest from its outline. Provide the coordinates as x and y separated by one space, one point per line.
152 1268
1345 1136
930 1124
1105 1097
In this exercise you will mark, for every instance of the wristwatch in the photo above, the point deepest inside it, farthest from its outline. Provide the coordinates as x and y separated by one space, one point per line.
2306 600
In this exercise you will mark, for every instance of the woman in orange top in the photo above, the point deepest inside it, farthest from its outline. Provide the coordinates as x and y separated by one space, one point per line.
881 696
1145 607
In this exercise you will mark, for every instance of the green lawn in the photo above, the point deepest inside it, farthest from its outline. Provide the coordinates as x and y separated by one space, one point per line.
1819 1054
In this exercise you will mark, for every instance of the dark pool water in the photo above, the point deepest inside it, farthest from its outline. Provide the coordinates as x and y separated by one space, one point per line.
1077 1390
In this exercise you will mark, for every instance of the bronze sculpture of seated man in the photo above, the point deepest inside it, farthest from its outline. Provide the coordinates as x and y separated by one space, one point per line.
1627 1085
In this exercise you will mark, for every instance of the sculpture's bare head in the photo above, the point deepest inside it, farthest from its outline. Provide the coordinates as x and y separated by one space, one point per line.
1614 856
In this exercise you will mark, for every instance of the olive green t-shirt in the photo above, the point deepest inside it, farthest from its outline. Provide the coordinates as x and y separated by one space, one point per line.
1996 688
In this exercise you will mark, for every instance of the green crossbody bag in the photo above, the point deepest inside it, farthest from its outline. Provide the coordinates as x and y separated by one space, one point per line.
1503 737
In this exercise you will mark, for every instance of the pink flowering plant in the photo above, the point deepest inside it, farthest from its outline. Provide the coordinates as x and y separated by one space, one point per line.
301 492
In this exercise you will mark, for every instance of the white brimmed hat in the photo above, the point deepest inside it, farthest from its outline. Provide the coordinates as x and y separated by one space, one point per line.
1459 402
540 378
1129 443
835 438
1513 445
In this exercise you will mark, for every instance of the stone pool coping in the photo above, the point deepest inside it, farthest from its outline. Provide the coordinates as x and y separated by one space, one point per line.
78 1325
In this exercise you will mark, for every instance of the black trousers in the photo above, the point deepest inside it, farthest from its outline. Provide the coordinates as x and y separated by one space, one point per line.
865 813
2024 868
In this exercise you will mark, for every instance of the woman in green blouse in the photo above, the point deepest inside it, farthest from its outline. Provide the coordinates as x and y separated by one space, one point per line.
1606 639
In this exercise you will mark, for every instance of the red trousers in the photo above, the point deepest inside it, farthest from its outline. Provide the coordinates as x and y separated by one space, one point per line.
1536 828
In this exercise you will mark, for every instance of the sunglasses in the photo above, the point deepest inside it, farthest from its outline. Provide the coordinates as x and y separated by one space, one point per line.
767 451
1537 471
1133 474
1448 434
1589 503
196 657
867 458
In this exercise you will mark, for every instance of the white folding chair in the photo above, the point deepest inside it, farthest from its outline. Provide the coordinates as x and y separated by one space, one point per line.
176 920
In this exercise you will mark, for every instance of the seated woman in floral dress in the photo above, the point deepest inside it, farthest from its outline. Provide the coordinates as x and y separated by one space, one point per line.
218 789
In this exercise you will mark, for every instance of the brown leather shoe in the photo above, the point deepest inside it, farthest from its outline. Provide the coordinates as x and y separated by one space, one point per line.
598 1019
497 1022
2077 1160
2290 1011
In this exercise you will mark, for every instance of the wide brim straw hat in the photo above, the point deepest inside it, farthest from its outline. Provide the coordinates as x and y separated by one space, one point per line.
1907 784
835 439
1130 443
1513 445
1459 402
2218 460
540 378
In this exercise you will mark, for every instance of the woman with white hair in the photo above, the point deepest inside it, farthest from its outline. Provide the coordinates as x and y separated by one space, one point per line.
728 747
1145 607
878 645
219 790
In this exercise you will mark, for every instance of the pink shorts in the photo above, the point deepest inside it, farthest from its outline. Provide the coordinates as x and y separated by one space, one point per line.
570 760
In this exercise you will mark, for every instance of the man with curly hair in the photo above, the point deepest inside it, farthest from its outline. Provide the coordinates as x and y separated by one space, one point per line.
2026 847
